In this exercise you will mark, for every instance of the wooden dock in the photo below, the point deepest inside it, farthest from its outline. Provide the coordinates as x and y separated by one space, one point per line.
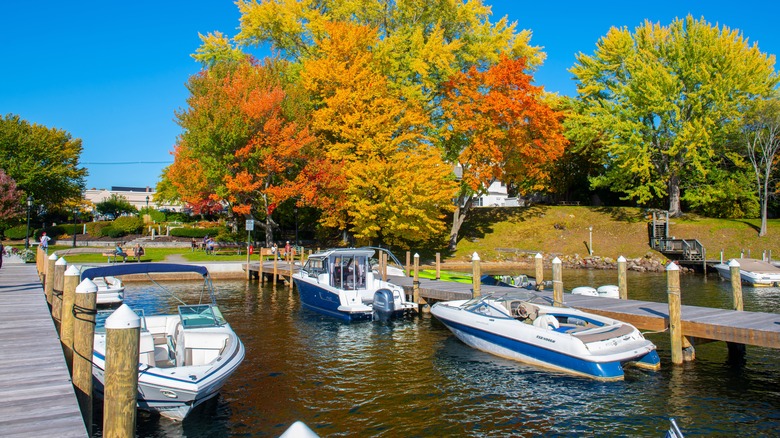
267 268
749 328
36 394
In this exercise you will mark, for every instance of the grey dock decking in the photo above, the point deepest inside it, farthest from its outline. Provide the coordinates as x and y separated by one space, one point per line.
36 394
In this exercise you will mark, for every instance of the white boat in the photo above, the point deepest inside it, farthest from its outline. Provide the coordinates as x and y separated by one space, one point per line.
341 283
111 290
754 273
185 358
606 291
521 326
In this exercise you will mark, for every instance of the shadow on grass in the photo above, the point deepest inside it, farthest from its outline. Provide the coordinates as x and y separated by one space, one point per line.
755 227
481 220
623 214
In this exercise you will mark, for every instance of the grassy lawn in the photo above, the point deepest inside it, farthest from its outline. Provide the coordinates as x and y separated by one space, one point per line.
152 254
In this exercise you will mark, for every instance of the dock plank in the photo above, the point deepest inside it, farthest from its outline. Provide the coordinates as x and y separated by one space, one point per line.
36 394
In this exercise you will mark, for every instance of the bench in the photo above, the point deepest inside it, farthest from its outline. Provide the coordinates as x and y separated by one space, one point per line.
125 254
569 203
227 248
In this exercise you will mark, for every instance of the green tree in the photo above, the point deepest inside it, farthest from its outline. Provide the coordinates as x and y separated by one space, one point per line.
663 102
43 161
115 205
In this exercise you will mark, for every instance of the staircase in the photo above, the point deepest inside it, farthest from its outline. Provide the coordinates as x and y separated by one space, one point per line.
675 249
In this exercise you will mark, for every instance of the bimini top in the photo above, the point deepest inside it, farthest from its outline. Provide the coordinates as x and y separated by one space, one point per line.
141 268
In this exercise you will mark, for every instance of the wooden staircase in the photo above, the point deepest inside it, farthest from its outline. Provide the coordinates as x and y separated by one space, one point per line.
690 250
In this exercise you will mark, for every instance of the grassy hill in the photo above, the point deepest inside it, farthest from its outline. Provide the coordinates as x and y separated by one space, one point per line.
616 231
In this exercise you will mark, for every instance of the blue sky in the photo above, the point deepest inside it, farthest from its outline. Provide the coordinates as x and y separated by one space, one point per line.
113 73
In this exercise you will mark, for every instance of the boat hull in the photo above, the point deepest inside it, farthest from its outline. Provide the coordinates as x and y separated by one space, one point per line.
751 278
541 348
321 300
173 392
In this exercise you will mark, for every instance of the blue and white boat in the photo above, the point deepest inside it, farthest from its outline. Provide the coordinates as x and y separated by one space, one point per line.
341 283
522 326
184 358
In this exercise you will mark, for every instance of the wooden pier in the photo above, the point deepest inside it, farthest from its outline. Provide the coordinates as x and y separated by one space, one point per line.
36 394
266 268
698 323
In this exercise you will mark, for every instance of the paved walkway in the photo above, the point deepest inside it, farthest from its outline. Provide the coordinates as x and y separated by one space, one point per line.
36 394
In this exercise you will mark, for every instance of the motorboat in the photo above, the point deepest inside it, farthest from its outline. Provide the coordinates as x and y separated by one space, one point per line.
341 283
754 273
110 291
184 358
605 291
523 326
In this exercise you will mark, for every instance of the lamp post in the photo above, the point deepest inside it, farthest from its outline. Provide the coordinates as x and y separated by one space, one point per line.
75 212
147 204
590 240
27 236
296 224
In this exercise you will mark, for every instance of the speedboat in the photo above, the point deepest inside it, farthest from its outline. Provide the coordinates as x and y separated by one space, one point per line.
752 272
522 326
184 358
341 283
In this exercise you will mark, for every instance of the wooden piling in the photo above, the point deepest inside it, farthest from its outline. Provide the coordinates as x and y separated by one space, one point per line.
416 280
622 278
408 262
736 351
48 285
248 260
384 266
736 284
70 281
276 269
539 272
292 265
476 279
56 299
438 266
557 273
83 342
123 330
675 326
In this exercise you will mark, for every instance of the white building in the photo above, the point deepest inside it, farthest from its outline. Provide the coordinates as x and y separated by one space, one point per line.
496 196
138 197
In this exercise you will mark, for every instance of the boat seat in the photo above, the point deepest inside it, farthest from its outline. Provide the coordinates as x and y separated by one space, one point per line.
602 334
546 321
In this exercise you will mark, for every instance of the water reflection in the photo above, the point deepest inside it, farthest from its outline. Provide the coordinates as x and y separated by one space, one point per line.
413 378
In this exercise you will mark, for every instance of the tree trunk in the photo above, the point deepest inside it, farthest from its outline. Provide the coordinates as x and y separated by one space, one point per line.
674 196
764 199
458 217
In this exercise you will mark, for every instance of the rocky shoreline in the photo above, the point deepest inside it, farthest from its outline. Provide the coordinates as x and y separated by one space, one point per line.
648 263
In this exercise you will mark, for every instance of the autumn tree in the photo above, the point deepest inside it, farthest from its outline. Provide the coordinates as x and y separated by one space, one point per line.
662 102
238 144
10 198
501 129
415 48
392 185
43 161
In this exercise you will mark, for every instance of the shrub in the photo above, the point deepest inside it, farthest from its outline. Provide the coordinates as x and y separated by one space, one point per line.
95 228
16 233
128 225
197 233
110 231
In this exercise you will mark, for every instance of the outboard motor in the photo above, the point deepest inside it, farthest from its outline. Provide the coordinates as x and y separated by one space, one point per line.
384 305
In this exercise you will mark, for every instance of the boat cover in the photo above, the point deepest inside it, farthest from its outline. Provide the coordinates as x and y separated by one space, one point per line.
141 268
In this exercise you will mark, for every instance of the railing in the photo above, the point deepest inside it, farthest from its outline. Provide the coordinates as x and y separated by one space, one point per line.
690 249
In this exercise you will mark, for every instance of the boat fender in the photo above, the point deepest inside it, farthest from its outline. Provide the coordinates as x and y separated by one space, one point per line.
546 322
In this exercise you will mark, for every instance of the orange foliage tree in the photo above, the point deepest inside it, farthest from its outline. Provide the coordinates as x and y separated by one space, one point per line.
500 128
389 182
239 145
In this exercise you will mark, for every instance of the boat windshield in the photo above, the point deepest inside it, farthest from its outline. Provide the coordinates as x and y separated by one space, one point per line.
315 266
501 299
201 315
349 271
102 315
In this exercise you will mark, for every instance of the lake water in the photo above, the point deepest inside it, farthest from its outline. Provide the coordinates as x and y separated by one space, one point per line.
413 378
